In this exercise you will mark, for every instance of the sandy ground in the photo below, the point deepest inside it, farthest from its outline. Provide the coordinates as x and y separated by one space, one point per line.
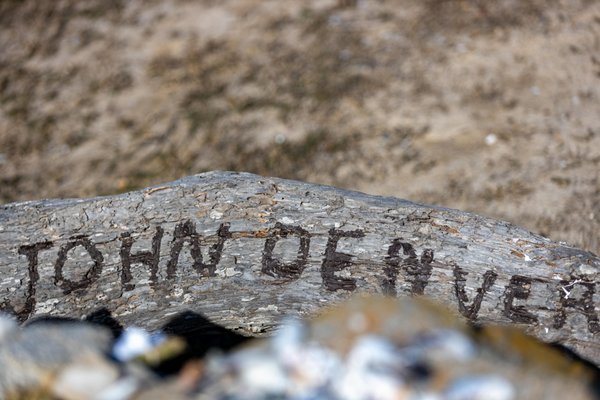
491 107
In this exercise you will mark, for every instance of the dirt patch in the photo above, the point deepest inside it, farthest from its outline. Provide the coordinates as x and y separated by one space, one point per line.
486 107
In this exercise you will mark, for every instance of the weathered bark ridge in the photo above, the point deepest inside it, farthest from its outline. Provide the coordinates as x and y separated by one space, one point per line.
245 250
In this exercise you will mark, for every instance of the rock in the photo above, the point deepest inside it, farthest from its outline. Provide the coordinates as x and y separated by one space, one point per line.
383 348
486 387
66 359
367 348
91 376
134 342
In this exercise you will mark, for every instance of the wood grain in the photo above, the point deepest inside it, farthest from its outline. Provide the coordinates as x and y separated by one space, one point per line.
245 251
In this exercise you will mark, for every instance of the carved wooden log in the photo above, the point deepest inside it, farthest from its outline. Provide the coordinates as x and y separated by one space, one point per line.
245 250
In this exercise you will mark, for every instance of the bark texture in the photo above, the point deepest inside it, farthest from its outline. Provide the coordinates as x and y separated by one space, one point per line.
245 250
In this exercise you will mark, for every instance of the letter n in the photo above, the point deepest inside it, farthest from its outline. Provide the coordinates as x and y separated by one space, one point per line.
186 232
418 269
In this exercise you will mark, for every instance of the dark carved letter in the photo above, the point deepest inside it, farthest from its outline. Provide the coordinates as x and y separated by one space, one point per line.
419 270
459 286
584 305
148 258
31 251
335 261
519 287
186 231
91 275
276 268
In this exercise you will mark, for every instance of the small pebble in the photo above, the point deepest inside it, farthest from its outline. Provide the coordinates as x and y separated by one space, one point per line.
491 139
134 342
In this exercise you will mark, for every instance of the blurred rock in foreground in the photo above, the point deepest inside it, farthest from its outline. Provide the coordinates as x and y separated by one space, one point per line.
384 348
367 348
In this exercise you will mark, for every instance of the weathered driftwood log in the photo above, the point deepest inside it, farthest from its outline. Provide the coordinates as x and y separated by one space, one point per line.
245 250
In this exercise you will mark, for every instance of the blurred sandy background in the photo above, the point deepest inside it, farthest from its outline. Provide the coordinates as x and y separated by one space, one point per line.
491 107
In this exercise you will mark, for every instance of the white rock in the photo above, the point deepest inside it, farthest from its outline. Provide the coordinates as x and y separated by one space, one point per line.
486 387
84 379
135 342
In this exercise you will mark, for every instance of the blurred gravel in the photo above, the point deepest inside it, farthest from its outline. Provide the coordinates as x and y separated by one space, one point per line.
367 348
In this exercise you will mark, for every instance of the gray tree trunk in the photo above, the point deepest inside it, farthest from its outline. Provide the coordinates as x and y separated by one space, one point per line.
245 250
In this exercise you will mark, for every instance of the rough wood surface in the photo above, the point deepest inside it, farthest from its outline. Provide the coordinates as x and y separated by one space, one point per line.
245 250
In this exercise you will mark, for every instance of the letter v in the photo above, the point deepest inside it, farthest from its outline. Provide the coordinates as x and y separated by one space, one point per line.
470 312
